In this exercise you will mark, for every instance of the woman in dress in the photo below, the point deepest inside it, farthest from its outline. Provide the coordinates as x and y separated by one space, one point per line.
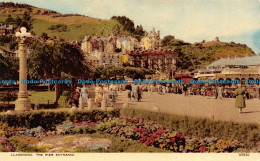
84 94
98 93
240 99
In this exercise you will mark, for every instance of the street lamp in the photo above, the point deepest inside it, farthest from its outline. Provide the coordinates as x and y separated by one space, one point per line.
22 103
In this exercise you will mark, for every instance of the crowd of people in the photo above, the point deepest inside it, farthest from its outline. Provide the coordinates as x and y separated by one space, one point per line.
134 92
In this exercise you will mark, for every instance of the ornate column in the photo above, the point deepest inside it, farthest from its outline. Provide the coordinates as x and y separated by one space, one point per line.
23 102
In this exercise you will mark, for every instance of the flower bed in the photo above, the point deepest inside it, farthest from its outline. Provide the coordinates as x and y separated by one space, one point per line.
144 131
246 133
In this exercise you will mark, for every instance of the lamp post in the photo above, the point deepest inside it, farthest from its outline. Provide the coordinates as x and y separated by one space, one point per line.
22 103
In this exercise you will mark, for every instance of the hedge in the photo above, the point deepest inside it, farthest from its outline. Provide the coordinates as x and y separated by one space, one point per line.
247 133
48 120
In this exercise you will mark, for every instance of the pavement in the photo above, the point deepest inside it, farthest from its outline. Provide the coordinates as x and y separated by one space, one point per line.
198 106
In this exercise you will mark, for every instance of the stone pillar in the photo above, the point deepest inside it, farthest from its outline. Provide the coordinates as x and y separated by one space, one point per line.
103 105
22 103
90 102
81 105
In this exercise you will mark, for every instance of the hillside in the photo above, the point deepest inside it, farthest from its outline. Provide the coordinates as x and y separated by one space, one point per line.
77 26
198 55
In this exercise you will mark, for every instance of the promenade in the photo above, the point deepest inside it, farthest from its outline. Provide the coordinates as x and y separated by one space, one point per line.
198 106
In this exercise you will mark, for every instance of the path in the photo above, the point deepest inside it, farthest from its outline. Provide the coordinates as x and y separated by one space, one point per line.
199 106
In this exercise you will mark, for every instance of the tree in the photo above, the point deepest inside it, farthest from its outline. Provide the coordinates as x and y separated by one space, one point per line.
139 32
9 20
26 21
56 61
45 36
127 24
8 68
18 21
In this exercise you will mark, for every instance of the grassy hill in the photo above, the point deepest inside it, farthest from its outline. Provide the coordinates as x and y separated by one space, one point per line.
198 55
77 26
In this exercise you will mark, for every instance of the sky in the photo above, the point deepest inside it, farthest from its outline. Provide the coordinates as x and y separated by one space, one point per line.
189 20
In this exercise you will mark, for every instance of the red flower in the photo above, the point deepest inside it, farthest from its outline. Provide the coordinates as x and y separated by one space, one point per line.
202 149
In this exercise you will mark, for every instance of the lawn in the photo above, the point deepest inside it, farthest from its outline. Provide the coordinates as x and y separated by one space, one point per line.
46 97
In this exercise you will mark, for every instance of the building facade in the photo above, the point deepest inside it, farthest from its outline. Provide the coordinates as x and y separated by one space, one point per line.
109 50
232 69
163 61
152 41
6 29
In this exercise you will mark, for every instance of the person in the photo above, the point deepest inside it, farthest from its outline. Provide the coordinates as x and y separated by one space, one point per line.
76 97
258 93
240 99
220 92
112 95
163 89
208 92
128 88
139 93
84 94
185 89
216 92
134 91
98 93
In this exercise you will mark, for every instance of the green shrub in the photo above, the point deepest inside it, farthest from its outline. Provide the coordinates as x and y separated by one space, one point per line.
248 134
48 120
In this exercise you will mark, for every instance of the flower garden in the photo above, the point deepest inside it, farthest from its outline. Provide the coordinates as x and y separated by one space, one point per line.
129 130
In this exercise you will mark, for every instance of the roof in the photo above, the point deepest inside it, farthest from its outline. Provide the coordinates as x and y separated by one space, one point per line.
244 61
152 52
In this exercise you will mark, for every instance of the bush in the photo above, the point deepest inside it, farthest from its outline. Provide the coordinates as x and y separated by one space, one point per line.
9 97
248 134
48 120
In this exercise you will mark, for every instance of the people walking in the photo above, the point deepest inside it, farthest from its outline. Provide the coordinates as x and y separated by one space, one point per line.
240 99
208 92
134 91
112 95
220 92
139 93
185 90
76 97
128 88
